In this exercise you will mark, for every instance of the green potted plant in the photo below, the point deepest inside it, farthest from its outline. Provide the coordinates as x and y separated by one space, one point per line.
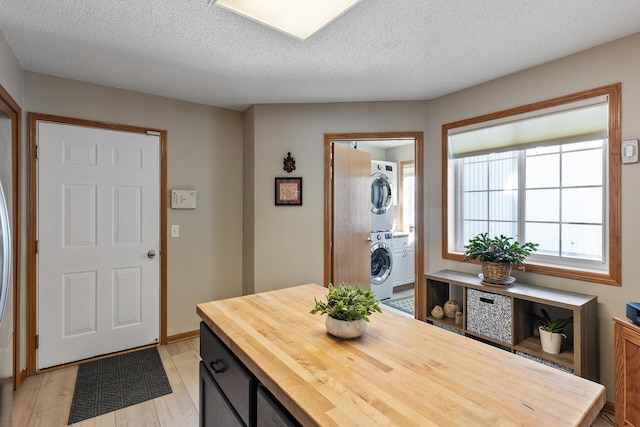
551 331
347 309
497 255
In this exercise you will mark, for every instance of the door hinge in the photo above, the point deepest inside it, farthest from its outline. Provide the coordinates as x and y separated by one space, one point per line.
37 341
37 246
37 151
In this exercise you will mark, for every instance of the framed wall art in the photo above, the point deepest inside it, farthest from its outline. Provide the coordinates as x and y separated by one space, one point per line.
288 191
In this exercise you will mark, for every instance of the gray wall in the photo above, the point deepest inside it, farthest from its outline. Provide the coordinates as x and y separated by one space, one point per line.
288 241
11 76
248 205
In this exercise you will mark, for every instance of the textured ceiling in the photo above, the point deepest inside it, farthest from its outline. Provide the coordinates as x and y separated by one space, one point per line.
380 50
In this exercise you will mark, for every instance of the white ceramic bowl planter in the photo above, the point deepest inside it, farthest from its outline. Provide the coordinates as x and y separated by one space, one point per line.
346 328
348 309
550 341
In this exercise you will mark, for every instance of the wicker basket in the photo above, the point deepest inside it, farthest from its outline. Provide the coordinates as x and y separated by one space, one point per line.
496 272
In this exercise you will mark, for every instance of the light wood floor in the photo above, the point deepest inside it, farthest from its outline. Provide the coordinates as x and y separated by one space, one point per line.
45 400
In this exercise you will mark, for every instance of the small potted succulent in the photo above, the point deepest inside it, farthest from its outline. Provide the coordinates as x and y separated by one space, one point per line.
497 255
551 331
347 309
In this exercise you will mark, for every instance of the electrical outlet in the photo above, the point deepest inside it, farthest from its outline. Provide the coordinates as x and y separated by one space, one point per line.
629 151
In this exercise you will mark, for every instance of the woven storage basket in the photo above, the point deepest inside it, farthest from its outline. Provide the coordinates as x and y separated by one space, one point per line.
496 272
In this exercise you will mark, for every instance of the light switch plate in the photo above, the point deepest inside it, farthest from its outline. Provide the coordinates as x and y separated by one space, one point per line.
175 231
629 151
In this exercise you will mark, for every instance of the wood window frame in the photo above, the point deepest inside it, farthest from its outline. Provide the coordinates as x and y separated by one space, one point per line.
613 91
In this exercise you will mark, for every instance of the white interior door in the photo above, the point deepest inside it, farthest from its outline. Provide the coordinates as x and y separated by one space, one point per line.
98 221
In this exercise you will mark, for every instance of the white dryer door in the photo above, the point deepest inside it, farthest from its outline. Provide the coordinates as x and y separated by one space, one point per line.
381 193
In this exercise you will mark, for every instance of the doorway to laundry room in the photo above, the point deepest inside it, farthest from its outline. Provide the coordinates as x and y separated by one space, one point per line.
383 243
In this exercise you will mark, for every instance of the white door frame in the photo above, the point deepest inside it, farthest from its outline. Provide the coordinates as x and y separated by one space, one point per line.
32 209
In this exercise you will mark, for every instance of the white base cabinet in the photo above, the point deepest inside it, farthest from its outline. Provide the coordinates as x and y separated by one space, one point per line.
404 263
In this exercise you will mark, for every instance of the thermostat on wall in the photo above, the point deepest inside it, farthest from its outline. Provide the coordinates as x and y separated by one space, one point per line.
630 151
183 199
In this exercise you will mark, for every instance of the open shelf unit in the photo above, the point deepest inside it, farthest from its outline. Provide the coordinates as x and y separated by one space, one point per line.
500 316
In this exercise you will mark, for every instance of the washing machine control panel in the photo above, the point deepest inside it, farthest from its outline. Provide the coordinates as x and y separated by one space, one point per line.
381 167
383 236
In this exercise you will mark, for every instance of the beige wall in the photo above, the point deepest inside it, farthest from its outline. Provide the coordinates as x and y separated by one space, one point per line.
283 246
11 76
288 240
611 63
248 204
204 153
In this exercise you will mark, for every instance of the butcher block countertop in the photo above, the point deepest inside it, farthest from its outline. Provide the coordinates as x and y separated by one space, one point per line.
401 372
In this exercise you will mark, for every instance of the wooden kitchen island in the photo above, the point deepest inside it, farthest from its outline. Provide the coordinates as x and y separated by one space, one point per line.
401 372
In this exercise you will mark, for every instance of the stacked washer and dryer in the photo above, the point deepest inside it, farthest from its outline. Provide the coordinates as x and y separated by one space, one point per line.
382 201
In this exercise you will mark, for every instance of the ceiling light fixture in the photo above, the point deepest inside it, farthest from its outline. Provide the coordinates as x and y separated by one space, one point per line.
298 18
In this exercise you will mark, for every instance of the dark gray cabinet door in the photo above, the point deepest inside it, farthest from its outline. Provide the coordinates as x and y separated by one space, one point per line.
215 410
269 412
235 381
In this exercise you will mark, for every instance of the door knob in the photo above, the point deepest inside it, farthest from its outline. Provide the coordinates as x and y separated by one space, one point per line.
151 254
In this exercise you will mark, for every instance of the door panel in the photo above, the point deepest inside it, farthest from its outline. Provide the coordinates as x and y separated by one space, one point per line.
127 209
79 215
127 296
98 217
79 303
351 252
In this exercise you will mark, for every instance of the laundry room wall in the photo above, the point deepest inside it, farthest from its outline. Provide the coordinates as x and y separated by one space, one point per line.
204 152
376 153
400 154
288 240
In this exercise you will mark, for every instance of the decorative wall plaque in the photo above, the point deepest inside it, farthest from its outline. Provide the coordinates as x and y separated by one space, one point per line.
288 191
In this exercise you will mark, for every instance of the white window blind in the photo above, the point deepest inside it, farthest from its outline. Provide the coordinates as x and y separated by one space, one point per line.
579 121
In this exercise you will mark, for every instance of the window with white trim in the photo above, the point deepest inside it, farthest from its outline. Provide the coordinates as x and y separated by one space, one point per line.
553 196
408 195
541 176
